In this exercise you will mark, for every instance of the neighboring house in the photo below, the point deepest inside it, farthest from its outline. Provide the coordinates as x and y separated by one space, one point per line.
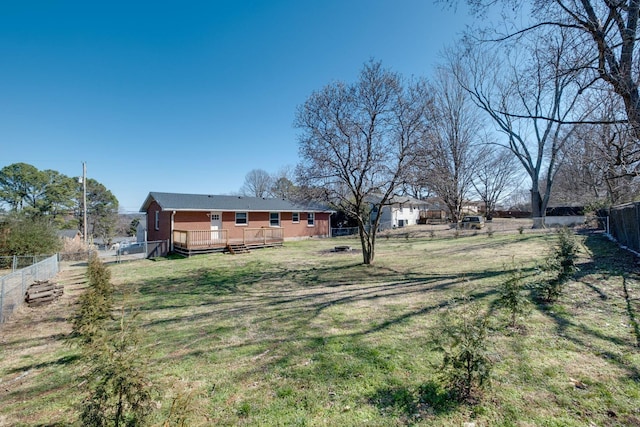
401 211
141 231
196 223
473 207
70 235
439 211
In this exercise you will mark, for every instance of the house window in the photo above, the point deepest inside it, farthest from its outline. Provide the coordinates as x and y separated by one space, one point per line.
295 217
157 225
374 213
274 219
311 219
215 217
241 218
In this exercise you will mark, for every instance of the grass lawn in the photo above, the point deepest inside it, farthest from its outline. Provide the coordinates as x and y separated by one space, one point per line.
303 336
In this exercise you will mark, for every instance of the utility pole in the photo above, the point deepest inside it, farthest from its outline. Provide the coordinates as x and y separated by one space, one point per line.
84 202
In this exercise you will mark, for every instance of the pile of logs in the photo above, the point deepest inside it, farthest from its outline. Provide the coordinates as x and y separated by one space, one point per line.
42 292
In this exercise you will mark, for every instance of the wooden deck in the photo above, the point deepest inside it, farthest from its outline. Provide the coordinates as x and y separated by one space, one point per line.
192 242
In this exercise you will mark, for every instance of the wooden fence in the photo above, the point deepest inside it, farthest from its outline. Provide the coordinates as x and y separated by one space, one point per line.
624 225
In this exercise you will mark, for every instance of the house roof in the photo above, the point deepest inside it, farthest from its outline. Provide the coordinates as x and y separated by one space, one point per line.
69 233
395 199
208 202
407 200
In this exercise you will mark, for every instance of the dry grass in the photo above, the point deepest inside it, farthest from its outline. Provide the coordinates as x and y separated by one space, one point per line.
301 335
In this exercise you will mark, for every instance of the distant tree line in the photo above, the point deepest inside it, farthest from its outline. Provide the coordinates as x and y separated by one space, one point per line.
36 203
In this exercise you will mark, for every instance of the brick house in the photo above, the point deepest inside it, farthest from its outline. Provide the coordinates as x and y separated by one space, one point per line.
196 223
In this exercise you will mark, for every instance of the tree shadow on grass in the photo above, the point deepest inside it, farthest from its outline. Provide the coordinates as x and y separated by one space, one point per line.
61 361
611 261
413 405
564 326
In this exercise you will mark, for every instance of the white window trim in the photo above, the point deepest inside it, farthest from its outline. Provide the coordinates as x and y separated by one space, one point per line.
311 215
157 221
293 220
271 225
246 216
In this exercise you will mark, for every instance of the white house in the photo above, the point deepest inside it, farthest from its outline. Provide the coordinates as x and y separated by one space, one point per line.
401 211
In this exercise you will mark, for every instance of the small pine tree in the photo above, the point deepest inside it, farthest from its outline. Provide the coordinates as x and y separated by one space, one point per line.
511 295
566 251
559 266
462 338
184 407
95 303
120 392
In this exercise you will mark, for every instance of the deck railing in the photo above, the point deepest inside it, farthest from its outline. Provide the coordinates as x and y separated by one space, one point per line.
200 239
262 236
203 239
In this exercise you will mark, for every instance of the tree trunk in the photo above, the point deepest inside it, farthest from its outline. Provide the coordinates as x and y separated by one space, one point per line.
367 256
366 243
536 209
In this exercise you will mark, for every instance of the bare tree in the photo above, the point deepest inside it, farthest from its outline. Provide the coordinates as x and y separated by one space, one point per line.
530 98
601 164
607 31
494 174
593 171
282 184
449 152
257 183
358 140
519 200
605 35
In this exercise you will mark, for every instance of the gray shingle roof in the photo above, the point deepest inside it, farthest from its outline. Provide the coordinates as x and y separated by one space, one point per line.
207 202
68 233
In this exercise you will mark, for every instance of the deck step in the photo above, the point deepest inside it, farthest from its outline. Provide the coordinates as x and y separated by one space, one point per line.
237 248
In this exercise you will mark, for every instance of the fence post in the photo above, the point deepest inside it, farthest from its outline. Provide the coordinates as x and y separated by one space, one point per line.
24 284
2 299
637 226
14 264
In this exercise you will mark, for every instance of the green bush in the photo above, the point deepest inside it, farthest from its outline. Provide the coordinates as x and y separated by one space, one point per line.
22 235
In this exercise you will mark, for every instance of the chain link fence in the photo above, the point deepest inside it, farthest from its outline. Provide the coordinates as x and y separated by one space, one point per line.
16 262
141 250
13 286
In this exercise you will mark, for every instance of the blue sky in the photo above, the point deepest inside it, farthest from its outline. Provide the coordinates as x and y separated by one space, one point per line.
189 96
